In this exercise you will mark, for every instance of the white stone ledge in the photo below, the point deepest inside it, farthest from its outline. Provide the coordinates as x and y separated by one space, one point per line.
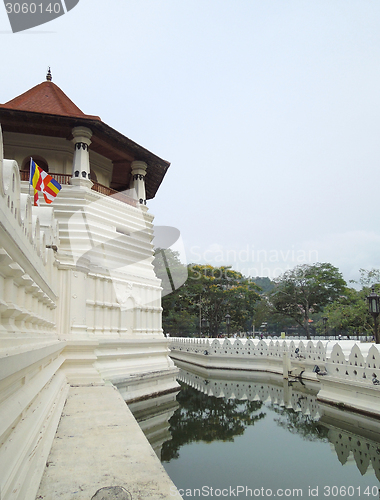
24 454
13 406
24 356
130 342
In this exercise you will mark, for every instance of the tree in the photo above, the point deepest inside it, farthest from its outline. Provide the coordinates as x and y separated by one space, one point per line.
222 291
169 269
306 289
265 283
349 313
178 318
369 278
178 322
208 294
262 312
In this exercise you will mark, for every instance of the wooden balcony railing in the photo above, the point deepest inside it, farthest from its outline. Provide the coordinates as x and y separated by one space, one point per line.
61 178
99 188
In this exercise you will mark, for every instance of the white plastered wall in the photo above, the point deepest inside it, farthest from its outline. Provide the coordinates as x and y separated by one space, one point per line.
84 310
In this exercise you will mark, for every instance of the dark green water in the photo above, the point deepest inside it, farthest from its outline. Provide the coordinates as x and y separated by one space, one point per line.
253 449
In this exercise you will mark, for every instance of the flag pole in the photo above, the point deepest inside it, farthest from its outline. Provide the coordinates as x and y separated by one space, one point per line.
30 173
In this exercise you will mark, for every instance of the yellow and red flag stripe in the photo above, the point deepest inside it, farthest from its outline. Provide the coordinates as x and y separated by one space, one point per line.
36 200
41 181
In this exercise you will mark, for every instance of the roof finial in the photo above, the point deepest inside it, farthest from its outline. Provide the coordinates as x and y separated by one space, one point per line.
49 78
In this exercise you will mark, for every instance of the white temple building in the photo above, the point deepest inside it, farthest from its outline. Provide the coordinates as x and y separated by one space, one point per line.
80 304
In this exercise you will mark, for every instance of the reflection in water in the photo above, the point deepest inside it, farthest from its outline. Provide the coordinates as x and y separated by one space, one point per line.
365 452
294 395
354 438
153 416
299 423
213 435
207 418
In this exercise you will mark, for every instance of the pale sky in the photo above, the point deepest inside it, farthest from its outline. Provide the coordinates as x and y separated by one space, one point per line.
268 110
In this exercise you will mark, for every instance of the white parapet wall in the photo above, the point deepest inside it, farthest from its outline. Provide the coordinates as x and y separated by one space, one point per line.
80 305
348 372
33 388
289 358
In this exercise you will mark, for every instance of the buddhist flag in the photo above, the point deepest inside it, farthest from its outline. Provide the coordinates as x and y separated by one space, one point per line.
36 200
41 181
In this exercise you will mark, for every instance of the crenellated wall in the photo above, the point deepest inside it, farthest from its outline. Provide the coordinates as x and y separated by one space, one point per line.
253 355
349 371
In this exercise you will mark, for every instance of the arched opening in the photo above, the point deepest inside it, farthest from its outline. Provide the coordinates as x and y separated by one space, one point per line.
38 160
93 176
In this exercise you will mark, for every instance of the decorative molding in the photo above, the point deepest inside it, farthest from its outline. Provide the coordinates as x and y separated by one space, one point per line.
83 145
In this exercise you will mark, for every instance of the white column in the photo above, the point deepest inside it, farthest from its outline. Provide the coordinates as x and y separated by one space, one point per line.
138 177
81 160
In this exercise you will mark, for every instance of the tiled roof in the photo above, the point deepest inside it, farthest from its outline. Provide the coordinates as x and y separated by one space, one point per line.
46 98
47 111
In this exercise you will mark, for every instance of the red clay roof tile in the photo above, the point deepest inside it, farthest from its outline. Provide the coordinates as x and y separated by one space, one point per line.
46 98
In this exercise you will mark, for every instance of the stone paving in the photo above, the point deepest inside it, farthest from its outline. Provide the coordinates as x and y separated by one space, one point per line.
99 452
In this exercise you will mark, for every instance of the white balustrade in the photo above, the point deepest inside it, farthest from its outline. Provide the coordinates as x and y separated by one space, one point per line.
343 360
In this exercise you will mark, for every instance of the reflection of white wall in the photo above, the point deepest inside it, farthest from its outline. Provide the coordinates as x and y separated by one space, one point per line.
350 447
153 415
348 368
254 389
355 449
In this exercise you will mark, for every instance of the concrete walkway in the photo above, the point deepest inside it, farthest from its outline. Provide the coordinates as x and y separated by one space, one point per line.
99 445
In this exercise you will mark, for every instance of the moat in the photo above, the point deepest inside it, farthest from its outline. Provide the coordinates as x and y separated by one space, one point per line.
266 438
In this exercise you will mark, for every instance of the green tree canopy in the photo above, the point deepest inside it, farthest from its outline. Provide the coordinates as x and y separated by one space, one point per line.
221 291
178 318
265 283
169 269
369 278
306 289
349 313
208 295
